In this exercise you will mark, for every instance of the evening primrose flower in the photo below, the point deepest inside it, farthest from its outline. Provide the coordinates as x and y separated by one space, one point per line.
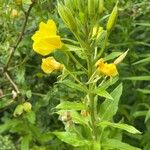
106 69
45 39
49 65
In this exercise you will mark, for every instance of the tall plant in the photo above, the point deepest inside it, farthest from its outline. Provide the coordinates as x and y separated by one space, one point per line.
88 121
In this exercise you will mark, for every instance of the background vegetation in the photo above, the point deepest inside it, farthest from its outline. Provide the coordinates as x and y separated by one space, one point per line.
23 72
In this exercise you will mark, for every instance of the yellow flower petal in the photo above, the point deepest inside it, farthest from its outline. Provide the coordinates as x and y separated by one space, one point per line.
47 45
48 28
107 69
49 64
45 39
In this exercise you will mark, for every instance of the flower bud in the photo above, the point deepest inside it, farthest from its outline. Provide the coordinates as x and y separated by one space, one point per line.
18 110
27 106
121 58
67 16
112 18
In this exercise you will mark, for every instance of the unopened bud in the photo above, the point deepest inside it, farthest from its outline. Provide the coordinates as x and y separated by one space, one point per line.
18 110
67 16
27 106
121 57
112 19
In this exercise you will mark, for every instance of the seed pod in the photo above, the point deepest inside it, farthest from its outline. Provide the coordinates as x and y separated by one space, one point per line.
27 106
18 110
101 6
112 18
67 17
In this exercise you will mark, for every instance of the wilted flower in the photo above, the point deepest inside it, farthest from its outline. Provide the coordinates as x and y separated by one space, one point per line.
45 39
106 69
49 64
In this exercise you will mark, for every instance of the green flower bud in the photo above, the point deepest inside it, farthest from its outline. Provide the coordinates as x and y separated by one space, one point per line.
27 106
67 16
112 18
18 110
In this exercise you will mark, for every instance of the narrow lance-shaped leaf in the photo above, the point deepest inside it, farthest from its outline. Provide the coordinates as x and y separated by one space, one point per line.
73 85
122 126
116 144
103 93
71 138
109 108
71 106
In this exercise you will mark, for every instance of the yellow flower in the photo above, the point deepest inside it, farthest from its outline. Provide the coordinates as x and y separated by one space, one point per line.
45 39
49 64
14 13
106 69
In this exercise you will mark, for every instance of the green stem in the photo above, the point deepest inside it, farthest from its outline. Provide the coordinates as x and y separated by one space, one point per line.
91 96
76 61
103 47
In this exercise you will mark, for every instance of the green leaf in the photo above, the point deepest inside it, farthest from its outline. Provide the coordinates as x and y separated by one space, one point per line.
29 94
109 108
147 116
137 78
27 2
71 138
31 117
103 93
144 91
25 142
78 119
122 126
46 137
96 145
71 106
145 61
115 144
112 56
109 82
73 85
